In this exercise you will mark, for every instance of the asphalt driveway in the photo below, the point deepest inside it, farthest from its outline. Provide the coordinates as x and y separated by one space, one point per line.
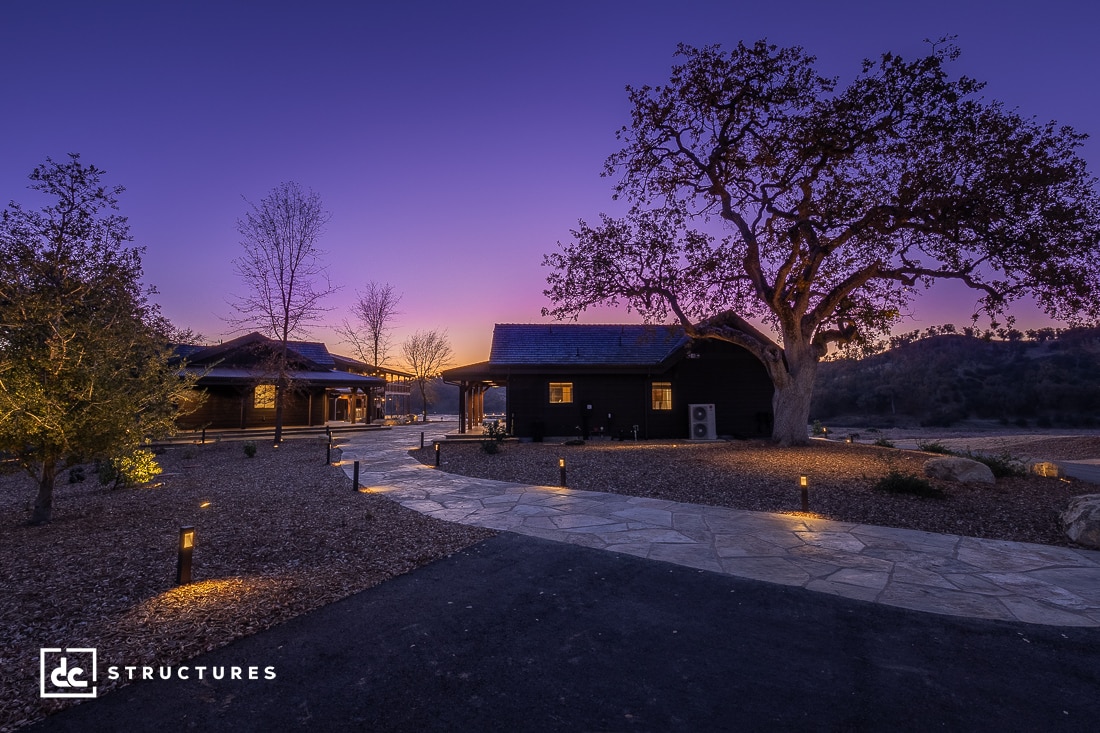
523 634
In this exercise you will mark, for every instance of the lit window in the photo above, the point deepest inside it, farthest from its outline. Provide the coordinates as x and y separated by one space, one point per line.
561 392
662 395
263 398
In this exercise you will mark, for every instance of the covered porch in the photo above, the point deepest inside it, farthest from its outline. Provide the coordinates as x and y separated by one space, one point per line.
473 381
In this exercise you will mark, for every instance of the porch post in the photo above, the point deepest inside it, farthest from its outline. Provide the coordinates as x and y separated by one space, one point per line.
462 407
351 406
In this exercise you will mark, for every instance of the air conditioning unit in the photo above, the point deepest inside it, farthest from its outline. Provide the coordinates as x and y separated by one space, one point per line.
701 422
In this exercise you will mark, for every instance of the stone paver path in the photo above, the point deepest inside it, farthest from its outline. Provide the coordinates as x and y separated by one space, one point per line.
948 574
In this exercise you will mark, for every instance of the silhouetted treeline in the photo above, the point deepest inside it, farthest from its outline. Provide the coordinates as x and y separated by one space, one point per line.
1044 378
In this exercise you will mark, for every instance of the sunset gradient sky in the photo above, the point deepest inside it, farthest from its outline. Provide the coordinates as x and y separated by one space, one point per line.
454 143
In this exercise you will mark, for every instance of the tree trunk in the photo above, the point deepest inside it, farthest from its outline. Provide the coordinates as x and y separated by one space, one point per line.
43 503
280 391
794 388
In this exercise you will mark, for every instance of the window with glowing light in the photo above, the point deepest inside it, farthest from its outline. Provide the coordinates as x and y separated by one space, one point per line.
561 392
662 396
263 398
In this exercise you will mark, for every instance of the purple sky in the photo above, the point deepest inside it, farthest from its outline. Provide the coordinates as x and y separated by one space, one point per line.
454 143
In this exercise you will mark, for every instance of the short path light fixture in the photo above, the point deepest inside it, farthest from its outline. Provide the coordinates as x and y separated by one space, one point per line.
355 477
804 484
183 563
328 452
437 455
561 468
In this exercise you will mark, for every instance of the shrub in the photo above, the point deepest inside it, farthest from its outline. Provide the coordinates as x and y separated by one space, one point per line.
897 482
139 467
132 470
496 434
1003 464
885 443
250 449
929 446
76 475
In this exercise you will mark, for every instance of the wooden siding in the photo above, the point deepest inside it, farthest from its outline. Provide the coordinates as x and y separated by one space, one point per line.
609 404
232 408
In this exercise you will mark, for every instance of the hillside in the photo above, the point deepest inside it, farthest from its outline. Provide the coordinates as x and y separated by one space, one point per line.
942 379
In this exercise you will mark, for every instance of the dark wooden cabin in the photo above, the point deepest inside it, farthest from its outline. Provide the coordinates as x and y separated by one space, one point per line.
239 385
583 380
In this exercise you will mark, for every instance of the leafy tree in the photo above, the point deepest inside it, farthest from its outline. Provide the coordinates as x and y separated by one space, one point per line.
427 353
375 310
284 274
841 202
84 361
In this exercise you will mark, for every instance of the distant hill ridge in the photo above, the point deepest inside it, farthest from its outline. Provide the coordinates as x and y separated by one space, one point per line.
1043 378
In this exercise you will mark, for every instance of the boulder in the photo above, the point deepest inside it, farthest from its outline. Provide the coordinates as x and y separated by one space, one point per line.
1082 520
955 468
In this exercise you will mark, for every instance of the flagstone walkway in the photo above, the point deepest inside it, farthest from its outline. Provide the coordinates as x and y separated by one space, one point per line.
936 573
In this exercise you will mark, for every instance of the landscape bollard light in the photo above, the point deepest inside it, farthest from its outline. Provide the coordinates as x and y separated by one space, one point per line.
203 435
421 439
804 484
561 467
355 478
437 455
328 451
183 561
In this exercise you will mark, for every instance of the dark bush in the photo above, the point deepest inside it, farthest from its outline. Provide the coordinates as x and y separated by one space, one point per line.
1003 465
896 482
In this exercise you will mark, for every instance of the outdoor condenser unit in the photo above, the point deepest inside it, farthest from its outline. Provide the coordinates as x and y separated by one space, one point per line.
701 422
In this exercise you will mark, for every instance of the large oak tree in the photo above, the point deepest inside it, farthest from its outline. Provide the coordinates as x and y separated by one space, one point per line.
840 203
85 368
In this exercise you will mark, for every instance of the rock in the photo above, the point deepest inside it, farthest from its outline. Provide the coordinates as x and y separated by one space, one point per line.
1082 520
955 468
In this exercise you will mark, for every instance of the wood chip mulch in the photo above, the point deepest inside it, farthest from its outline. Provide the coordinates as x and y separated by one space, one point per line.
277 535
759 476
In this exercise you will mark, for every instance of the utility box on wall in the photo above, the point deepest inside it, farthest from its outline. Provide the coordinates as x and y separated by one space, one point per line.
701 422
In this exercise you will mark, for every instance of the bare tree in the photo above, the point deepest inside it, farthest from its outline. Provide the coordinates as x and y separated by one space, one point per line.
374 312
282 269
427 353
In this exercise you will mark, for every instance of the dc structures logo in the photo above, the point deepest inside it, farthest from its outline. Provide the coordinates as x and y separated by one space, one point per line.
67 672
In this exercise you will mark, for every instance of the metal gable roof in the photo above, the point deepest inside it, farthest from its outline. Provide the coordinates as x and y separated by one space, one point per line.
314 353
566 344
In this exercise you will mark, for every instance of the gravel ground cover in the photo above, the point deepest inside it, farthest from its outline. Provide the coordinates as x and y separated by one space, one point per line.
758 476
276 535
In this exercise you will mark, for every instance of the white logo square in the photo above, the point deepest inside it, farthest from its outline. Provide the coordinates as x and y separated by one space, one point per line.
68 672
